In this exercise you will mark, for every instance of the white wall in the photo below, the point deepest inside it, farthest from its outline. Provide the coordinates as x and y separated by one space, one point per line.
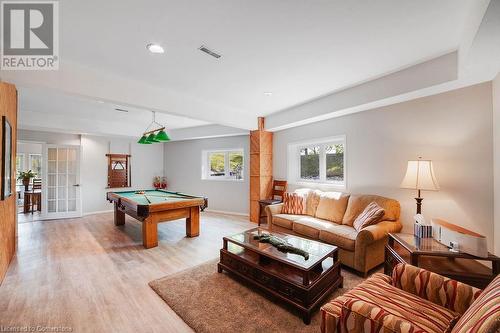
183 161
496 157
453 129
146 162
29 148
48 137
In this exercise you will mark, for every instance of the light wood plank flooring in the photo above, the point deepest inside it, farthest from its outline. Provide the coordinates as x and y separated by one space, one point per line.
91 276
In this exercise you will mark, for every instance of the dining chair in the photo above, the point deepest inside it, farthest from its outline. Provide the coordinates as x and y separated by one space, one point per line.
279 188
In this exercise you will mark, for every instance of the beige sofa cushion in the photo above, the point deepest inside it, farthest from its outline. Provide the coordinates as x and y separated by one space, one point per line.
310 226
285 220
332 206
358 203
312 202
342 236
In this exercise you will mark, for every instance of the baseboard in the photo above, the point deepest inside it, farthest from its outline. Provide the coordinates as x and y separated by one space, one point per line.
225 212
97 212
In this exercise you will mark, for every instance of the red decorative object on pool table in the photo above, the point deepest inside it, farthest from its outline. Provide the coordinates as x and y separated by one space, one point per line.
155 206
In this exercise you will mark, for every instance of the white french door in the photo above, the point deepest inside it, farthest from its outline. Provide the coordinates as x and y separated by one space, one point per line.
61 182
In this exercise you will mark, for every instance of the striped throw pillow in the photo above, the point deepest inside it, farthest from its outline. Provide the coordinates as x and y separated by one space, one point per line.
372 214
293 203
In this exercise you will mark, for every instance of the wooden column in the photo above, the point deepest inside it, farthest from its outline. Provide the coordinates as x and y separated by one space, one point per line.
8 108
261 167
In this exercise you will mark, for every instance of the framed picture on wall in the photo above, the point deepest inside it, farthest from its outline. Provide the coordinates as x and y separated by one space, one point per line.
6 188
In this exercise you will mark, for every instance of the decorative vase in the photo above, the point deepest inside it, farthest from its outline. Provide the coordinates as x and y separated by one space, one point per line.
26 183
156 185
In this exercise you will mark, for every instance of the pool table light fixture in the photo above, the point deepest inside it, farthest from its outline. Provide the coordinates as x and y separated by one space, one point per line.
155 135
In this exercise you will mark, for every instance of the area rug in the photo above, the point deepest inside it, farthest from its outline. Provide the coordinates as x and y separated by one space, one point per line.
219 302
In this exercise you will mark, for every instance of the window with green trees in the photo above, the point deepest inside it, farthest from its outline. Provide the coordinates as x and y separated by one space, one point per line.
319 160
224 164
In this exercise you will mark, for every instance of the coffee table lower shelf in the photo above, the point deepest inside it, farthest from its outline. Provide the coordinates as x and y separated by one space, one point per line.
265 274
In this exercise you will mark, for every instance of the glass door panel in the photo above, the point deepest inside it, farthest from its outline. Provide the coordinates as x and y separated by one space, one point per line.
62 191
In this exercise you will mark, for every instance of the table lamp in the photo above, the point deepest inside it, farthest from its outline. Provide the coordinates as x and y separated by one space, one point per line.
420 176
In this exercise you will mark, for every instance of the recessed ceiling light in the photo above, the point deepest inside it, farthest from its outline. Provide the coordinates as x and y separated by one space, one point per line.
155 48
100 102
268 93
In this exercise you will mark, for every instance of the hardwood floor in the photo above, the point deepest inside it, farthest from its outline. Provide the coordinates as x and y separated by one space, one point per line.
91 276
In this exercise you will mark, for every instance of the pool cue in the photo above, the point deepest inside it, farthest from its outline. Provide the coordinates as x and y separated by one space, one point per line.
180 194
149 201
166 197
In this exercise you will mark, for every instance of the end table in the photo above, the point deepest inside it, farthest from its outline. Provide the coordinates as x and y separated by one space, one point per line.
430 254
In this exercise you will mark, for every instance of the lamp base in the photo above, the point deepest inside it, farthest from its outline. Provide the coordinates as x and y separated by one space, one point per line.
419 205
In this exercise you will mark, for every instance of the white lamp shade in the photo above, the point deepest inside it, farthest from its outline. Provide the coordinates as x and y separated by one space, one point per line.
420 176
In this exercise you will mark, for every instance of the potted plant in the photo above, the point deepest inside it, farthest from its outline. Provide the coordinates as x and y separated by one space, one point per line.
25 177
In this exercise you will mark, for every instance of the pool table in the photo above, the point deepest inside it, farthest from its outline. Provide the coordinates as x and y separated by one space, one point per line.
156 206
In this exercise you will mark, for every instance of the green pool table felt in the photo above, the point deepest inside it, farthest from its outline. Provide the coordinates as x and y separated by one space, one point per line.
154 196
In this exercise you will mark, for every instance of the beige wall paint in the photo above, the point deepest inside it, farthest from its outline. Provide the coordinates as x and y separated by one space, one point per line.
453 129
496 158
183 161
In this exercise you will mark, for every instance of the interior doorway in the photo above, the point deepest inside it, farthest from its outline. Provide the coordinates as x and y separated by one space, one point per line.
29 171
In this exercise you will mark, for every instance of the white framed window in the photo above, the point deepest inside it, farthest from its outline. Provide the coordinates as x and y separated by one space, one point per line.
223 164
35 164
20 164
320 161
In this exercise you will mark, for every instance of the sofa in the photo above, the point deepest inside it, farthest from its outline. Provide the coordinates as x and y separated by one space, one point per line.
329 217
414 300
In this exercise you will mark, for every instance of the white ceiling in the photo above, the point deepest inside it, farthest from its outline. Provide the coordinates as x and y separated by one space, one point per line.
299 50
49 110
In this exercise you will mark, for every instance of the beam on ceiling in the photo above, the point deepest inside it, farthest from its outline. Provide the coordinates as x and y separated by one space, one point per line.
73 78
420 76
205 132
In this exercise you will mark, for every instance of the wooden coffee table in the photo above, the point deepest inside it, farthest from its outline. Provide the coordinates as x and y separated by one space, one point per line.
301 283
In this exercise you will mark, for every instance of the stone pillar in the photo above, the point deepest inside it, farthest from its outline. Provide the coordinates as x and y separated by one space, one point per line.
261 167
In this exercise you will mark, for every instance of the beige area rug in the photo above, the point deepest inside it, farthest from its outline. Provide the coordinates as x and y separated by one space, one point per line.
220 302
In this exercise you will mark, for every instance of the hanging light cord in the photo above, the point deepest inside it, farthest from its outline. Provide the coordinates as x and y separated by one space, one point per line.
154 122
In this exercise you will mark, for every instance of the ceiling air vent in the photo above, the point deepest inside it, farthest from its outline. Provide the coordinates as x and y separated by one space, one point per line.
121 110
205 49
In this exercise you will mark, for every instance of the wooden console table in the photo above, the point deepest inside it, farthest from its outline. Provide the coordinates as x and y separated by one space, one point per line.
436 257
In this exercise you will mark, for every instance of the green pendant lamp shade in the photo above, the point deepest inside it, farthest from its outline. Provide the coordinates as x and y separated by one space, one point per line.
162 136
152 138
144 141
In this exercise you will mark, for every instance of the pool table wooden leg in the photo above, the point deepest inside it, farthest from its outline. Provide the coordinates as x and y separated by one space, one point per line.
149 233
119 216
193 222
